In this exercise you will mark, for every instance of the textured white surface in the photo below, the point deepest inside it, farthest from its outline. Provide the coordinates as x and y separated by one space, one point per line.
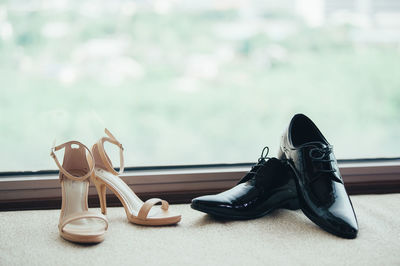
284 237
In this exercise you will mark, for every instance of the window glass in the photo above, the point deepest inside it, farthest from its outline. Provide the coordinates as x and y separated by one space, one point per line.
195 82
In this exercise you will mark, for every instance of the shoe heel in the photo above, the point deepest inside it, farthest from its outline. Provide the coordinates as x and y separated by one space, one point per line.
101 191
292 205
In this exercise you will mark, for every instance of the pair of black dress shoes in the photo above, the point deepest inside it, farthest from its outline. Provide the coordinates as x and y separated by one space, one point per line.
305 175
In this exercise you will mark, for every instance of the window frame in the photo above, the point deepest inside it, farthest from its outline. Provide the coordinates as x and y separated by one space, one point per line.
179 184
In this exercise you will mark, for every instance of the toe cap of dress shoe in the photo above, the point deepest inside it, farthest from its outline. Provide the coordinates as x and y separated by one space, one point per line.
210 201
346 227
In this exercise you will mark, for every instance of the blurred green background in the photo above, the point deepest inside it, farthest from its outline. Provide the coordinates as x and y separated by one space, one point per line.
182 82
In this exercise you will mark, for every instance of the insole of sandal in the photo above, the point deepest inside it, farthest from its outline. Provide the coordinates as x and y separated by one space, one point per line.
133 202
75 193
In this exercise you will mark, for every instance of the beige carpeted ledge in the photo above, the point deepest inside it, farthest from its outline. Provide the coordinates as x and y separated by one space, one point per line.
284 237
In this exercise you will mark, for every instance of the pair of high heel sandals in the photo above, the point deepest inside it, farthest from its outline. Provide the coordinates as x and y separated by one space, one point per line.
80 165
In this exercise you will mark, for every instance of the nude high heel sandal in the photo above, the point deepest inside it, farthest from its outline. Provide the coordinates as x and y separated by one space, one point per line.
137 211
76 223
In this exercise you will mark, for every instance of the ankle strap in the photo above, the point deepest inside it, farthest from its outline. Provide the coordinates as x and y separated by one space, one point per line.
103 156
62 169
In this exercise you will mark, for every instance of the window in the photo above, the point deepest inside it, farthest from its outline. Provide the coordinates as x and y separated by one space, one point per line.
189 82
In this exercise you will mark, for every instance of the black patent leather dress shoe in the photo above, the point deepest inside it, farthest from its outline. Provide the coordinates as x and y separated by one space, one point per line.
268 186
322 195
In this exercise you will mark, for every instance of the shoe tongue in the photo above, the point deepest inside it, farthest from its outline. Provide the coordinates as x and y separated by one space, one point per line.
250 175
322 187
267 165
268 168
271 172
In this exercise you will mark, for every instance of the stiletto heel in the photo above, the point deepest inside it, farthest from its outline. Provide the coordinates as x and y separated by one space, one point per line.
101 191
76 223
137 211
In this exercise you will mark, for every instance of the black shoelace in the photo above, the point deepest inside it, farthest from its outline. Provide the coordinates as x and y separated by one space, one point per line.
260 162
322 155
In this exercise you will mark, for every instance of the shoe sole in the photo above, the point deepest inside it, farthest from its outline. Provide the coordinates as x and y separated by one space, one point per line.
82 238
290 204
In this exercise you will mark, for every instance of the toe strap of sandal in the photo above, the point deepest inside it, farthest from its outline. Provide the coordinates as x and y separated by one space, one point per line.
145 209
82 215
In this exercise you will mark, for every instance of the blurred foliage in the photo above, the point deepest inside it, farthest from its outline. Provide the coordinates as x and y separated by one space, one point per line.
187 86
